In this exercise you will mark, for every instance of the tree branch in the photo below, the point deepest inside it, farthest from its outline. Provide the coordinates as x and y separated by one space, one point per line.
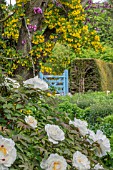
84 2
5 19
30 46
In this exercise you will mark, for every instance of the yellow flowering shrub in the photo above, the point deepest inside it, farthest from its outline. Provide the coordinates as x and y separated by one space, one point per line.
66 18
11 28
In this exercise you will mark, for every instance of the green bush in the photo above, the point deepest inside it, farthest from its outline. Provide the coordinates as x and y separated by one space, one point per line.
90 75
85 102
70 108
31 143
106 55
97 111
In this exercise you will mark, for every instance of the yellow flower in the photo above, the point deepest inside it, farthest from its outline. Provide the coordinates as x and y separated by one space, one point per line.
31 52
51 37
85 28
97 38
49 94
93 32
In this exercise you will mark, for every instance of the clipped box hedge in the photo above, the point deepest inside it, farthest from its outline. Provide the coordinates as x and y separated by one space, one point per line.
90 75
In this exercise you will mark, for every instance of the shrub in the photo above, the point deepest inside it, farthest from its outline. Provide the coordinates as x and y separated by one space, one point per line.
97 111
90 74
106 55
70 108
85 102
26 118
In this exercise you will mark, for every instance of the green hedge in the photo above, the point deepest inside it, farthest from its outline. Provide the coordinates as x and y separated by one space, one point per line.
90 75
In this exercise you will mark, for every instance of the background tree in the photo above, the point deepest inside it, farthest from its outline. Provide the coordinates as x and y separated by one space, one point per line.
98 17
31 29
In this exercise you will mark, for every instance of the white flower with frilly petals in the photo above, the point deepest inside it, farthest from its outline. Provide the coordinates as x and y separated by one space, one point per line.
102 141
91 136
10 83
3 167
54 133
7 152
36 83
98 167
30 120
32 82
81 125
80 161
54 162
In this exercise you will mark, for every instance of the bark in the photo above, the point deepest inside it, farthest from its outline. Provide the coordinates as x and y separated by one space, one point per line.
24 34
35 19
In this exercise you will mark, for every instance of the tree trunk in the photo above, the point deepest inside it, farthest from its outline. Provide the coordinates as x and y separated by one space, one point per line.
26 35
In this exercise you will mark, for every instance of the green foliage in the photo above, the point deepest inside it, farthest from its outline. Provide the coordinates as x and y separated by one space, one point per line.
32 144
99 17
97 109
70 108
106 55
91 106
84 102
14 105
50 27
63 54
60 58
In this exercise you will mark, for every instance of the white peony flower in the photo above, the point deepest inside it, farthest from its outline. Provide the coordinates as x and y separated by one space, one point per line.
36 83
98 167
91 136
11 83
80 161
81 125
102 141
54 162
30 120
3 167
54 133
7 152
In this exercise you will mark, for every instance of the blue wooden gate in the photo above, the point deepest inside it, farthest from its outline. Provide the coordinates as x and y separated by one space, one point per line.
60 83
